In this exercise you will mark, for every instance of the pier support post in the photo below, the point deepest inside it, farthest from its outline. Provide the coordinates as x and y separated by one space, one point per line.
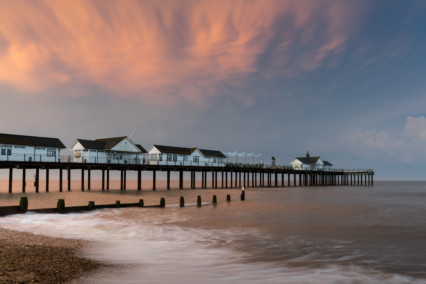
89 178
139 180
180 179
226 179
252 179
10 179
69 179
154 179
168 180
215 179
60 180
212 179
103 179
239 179
222 179
37 180
47 180
24 180
232 185
82 179
107 185
125 179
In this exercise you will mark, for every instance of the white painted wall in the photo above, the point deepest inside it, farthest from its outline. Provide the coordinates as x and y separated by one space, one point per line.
155 157
28 153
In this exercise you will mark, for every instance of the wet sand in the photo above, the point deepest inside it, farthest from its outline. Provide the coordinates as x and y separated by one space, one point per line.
30 258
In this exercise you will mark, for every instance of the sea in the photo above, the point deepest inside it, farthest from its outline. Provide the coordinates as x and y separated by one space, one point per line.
334 234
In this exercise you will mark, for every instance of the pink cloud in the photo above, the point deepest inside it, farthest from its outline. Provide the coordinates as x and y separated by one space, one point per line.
165 50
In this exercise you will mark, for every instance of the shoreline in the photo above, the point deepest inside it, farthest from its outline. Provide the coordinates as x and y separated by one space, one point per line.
31 258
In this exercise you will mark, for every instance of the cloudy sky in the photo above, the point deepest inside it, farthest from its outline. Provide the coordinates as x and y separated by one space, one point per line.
345 80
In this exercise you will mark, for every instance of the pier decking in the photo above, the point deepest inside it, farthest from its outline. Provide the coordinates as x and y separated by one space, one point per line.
231 176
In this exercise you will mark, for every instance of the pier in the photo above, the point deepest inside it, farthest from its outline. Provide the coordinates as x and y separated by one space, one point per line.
232 176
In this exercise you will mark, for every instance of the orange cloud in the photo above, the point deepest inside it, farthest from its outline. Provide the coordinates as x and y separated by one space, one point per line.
164 49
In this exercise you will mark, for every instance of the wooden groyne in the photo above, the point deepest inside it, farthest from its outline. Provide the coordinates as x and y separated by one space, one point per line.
62 209
220 177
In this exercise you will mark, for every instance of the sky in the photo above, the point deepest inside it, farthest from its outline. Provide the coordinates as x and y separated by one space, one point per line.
345 80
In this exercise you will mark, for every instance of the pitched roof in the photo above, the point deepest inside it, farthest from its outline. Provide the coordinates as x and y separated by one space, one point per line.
174 150
308 160
212 153
111 142
327 163
24 140
141 148
92 144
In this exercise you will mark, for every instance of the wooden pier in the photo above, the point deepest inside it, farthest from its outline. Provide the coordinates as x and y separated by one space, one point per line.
220 177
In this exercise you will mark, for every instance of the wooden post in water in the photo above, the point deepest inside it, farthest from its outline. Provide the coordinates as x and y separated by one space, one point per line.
23 204
243 194
168 180
232 185
182 202
180 179
239 179
121 180
154 179
10 179
226 179
125 179
141 204
199 201
37 179
214 201
162 202
47 180
24 180
228 198
60 206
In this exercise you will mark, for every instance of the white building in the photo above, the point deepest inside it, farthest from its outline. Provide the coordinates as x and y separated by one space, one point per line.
310 163
29 148
171 155
117 150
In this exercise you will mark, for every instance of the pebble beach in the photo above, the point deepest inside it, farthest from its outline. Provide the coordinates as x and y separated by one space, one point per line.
30 258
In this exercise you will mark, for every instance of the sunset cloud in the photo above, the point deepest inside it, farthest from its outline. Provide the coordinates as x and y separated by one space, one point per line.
166 50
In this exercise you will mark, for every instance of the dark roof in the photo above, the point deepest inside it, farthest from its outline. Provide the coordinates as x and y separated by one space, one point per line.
327 163
111 142
92 144
174 150
141 148
212 153
13 139
308 160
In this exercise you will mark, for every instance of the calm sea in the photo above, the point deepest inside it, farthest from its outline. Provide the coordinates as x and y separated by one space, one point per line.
291 235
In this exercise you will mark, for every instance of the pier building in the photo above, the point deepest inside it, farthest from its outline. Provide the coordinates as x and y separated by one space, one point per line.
310 163
29 148
116 150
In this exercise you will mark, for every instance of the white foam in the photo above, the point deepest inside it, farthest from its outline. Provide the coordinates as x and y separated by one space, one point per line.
159 251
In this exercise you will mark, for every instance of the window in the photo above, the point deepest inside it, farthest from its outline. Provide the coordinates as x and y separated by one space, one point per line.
40 148
196 159
9 152
51 152
174 158
169 157
153 157
3 152
19 147
160 157
185 158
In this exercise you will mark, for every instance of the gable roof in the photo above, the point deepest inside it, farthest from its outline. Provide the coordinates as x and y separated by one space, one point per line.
308 160
91 144
327 163
105 143
111 142
141 148
174 150
212 153
13 139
